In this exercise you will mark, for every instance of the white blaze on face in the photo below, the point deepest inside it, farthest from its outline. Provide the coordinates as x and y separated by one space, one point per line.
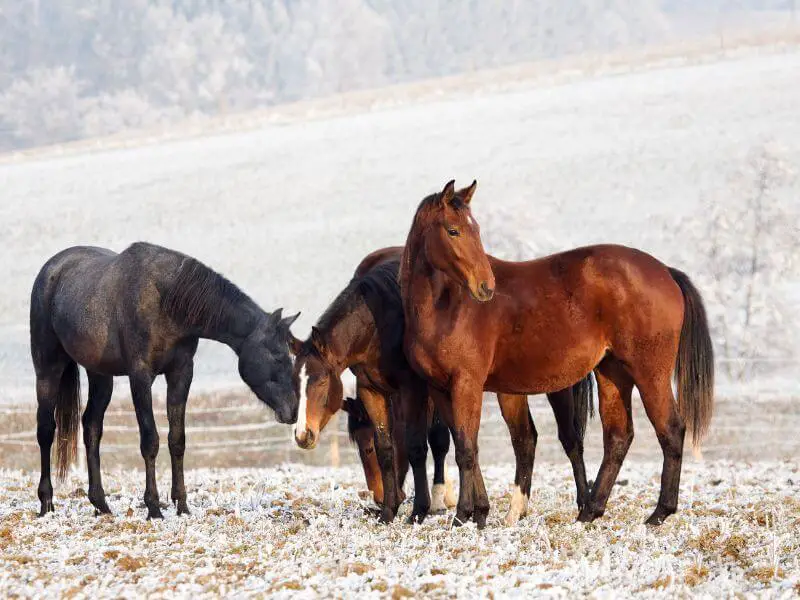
518 508
471 221
300 426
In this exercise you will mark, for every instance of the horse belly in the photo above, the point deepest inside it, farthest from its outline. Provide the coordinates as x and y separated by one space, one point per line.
544 370
91 341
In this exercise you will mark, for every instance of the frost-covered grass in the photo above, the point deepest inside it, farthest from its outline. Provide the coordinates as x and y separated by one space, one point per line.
303 530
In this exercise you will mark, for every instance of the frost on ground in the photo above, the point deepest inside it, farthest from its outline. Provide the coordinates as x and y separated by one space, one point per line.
299 531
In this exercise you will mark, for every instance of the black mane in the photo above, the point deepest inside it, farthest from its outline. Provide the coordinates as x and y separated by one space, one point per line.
200 297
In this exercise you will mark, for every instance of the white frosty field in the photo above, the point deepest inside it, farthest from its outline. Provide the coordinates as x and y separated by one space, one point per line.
287 211
302 532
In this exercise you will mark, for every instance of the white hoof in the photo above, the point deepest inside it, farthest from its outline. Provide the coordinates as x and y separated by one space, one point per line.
518 508
438 493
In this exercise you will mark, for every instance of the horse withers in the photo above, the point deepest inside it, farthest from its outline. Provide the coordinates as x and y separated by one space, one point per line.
140 313
476 323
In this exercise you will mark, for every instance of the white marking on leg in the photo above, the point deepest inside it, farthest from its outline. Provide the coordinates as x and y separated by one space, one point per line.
300 426
437 498
518 507
450 497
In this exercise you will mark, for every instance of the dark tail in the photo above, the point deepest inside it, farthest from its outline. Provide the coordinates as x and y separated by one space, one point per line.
68 418
694 367
582 393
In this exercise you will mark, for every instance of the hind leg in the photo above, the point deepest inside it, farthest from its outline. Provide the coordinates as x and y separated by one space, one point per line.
100 389
659 404
563 406
148 438
179 379
47 386
414 399
523 434
614 387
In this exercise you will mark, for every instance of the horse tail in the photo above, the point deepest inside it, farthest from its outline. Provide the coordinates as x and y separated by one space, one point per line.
68 418
694 365
582 393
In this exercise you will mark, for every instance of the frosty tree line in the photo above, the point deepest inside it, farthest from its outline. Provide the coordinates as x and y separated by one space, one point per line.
71 70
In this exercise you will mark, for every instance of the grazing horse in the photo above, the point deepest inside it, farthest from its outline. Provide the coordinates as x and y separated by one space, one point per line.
362 330
475 323
140 313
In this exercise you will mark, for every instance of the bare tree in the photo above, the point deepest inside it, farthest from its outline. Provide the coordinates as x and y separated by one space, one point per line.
752 242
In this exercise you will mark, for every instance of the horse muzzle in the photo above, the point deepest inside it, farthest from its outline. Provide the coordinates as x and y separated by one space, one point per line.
483 292
306 439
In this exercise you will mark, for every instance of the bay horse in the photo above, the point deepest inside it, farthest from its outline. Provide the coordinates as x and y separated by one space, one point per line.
475 323
140 313
363 330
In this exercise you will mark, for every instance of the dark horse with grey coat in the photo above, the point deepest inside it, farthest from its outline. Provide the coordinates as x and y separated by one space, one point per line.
140 313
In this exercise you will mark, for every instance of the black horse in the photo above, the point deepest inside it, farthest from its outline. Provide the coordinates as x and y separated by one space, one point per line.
140 313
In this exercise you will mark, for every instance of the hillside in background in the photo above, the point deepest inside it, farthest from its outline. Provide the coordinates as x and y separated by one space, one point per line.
79 70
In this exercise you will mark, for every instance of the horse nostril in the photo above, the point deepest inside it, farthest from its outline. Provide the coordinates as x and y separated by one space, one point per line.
486 291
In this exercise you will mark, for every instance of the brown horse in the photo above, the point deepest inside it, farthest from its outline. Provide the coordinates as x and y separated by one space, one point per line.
609 309
362 330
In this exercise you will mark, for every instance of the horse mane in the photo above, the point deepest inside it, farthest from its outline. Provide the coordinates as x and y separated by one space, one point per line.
200 297
413 241
379 281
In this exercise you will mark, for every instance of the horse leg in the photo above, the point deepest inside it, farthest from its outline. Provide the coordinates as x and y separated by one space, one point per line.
439 441
378 410
659 404
414 400
100 389
523 434
47 387
399 440
179 379
563 405
473 502
148 438
614 387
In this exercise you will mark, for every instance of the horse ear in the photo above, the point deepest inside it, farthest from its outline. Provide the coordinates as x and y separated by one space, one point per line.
288 321
316 338
465 195
275 317
448 192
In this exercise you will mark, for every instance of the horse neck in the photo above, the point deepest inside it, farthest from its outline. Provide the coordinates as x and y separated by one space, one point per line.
347 338
237 320
421 286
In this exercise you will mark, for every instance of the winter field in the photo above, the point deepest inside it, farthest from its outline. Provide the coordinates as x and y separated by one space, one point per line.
286 210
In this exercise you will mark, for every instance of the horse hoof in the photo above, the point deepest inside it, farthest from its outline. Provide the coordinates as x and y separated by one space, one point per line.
587 515
100 507
658 517
387 515
154 513
183 509
47 507
461 519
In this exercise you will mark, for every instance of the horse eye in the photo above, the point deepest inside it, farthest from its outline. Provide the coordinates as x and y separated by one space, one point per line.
453 232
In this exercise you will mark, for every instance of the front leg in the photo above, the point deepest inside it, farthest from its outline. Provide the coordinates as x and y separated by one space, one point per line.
523 434
179 379
141 382
462 413
377 408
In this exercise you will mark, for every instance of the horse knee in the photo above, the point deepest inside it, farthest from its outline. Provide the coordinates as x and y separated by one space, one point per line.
177 443
149 443
417 451
466 458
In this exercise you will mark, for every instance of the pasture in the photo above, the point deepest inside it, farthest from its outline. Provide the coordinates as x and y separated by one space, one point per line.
286 211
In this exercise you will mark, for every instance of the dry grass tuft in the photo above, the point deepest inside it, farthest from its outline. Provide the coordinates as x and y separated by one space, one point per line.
400 591
696 574
765 575
130 563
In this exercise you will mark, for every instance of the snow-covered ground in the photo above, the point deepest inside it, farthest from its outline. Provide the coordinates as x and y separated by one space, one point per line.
302 532
287 211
